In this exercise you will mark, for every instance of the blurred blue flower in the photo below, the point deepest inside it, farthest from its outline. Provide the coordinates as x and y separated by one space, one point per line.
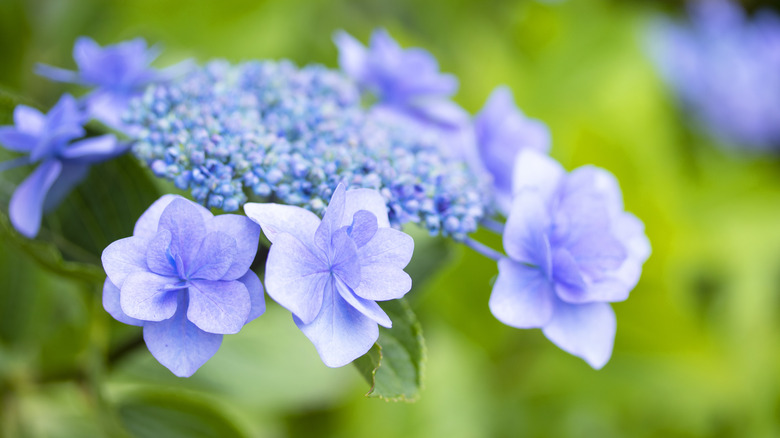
723 67
184 276
572 250
330 273
275 131
48 139
502 132
117 73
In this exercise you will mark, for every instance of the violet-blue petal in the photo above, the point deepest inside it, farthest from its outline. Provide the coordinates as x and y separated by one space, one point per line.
92 149
535 170
112 306
147 224
365 199
26 207
218 306
525 234
124 257
345 263
246 235
569 284
58 74
183 219
277 218
388 246
157 258
15 140
584 330
340 333
382 282
29 120
179 345
363 227
71 175
332 220
368 308
148 296
108 107
214 257
295 278
256 295
522 295
352 54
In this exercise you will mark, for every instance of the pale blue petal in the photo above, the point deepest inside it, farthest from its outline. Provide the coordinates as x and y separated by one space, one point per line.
340 333
149 220
58 74
148 296
29 120
87 53
352 54
15 140
295 278
534 170
124 257
256 295
26 207
214 257
363 228
246 234
275 219
179 345
218 306
525 234
522 296
569 284
187 226
158 260
389 247
92 150
382 282
584 330
332 220
112 306
345 263
365 199
367 307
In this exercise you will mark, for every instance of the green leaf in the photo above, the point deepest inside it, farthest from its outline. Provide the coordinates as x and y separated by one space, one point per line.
394 365
154 413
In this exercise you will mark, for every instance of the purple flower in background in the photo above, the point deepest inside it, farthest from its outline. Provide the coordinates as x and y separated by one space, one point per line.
572 250
502 132
184 276
117 73
723 67
330 273
48 139
409 89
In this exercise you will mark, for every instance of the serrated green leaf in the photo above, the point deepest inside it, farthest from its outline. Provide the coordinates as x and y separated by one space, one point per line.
394 365
153 413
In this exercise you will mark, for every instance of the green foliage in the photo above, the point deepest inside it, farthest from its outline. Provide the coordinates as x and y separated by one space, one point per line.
395 364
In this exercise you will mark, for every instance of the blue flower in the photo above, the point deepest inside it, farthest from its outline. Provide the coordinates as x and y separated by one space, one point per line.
48 140
184 276
502 132
117 73
571 251
723 67
330 273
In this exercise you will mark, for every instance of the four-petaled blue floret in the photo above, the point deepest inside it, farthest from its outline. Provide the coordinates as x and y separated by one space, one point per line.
48 139
572 250
330 273
184 276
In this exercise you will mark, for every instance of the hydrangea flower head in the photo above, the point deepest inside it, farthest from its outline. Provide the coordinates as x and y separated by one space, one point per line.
502 131
330 273
184 276
48 139
572 250
116 72
723 67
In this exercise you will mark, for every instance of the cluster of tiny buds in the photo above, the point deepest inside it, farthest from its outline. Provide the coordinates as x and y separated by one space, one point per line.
271 131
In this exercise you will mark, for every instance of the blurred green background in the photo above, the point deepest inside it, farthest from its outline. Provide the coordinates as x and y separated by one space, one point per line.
697 352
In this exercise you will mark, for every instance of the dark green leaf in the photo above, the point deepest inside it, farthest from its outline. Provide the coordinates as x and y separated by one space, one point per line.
153 413
394 365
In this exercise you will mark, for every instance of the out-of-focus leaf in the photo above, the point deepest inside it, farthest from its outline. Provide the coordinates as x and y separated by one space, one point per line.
153 413
394 365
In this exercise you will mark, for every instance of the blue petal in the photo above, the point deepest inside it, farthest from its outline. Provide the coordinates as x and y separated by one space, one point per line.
218 306
29 120
26 207
179 345
124 257
331 221
345 263
246 234
584 330
214 257
388 246
569 284
15 140
275 219
92 150
340 333
525 235
147 224
381 266
148 296
534 170
295 278
57 74
352 55
256 296
158 259
368 308
187 226
522 296
363 227
365 199
112 306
